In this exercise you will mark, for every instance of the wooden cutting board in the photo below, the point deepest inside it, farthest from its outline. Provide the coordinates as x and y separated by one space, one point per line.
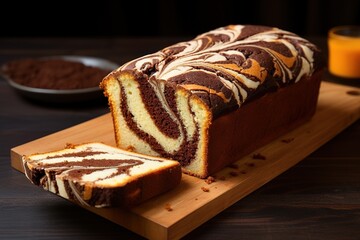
338 107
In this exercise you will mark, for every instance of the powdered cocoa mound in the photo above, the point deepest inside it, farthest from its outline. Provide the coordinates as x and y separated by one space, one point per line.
54 74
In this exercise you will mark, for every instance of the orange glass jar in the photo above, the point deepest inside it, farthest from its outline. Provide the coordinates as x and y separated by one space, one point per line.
344 51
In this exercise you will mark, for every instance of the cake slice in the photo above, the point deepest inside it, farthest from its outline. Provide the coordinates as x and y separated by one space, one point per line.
209 101
98 175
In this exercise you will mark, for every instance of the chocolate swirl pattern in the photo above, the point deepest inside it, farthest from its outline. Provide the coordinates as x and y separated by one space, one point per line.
164 103
237 59
81 172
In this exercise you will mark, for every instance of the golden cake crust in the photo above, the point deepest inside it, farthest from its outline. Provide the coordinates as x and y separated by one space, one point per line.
173 103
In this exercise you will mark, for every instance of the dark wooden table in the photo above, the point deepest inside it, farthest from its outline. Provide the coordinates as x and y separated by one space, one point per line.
319 198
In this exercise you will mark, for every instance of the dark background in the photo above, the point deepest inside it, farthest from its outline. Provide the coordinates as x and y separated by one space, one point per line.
170 18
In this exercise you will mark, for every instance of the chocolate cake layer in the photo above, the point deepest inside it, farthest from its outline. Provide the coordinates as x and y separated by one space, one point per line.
98 175
165 103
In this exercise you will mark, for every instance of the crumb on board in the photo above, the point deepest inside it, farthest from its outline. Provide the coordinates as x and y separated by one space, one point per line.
70 146
210 180
233 173
234 166
222 178
250 164
353 93
258 156
205 189
168 207
287 140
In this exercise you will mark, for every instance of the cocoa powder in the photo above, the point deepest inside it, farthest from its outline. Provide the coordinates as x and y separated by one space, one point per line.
54 74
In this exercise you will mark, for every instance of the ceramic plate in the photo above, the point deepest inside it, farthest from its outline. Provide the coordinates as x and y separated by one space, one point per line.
65 96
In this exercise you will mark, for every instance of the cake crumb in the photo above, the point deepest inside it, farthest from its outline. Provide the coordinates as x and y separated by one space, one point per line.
353 92
233 173
210 180
234 166
205 189
222 178
168 207
258 156
243 172
69 145
287 140
250 164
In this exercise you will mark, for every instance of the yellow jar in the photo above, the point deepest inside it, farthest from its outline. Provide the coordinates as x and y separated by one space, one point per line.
344 51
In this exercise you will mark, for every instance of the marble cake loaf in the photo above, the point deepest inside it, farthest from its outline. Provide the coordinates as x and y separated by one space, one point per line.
209 101
98 175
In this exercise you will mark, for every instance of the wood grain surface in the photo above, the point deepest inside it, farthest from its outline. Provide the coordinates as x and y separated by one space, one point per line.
194 201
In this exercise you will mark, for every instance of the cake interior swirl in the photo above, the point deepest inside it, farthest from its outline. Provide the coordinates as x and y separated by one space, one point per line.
99 175
209 101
